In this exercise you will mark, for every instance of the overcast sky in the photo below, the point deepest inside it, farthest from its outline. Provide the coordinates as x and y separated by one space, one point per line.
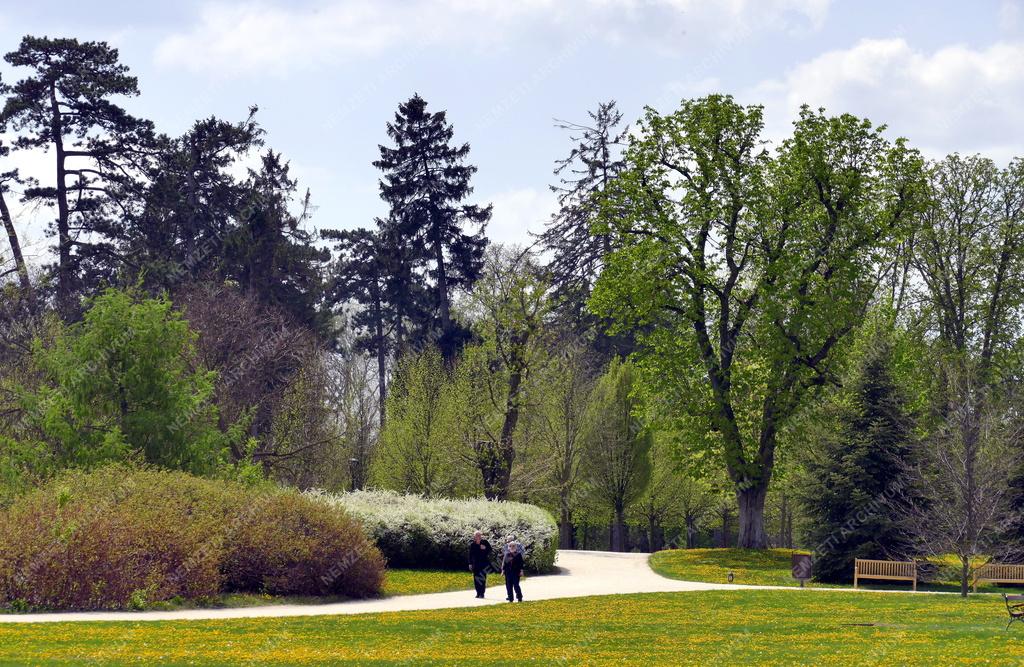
328 75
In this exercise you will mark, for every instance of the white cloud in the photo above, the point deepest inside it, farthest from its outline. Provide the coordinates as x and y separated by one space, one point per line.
519 212
953 99
258 38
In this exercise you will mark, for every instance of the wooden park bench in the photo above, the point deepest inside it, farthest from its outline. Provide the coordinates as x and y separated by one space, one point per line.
999 573
1015 608
892 570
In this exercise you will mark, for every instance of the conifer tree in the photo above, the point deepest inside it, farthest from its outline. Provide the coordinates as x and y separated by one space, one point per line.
271 254
577 250
425 182
859 469
100 150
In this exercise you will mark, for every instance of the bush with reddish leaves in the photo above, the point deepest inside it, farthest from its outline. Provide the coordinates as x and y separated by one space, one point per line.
289 544
122 537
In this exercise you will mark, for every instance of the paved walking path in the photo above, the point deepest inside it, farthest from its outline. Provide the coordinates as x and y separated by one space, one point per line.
581 573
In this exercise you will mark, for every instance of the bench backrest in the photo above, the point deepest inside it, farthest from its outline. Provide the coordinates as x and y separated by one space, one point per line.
886 568
1001 571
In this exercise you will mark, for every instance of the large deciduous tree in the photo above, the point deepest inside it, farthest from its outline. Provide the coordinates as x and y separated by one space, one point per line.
508 308
425 182
64 105
750 268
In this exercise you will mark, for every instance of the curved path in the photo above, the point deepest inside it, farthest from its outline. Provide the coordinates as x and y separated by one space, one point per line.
581 573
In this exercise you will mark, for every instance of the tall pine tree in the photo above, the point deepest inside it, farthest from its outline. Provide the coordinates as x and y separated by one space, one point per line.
859 468
99 150
425 182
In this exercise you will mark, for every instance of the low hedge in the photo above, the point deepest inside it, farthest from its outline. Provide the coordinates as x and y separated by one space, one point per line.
121 537
413 531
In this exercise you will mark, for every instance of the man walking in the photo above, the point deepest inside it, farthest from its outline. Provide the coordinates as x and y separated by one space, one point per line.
479 562
512 567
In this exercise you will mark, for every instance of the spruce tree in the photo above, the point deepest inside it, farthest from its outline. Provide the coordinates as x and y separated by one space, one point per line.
858 469
425 182
271 254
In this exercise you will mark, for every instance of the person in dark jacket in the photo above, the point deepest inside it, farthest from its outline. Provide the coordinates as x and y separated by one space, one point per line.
479 562
512 568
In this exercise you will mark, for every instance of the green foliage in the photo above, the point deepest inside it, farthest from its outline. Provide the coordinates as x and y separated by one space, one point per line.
618 465
508 309
867 444
121 383
418 451
745 271
123 537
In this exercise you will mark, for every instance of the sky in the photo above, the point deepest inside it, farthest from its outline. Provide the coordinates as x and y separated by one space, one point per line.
327 77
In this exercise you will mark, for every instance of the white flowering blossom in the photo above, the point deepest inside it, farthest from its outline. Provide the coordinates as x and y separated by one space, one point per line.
414 531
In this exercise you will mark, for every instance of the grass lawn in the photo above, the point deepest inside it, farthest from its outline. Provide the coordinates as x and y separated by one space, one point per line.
723 627
414 582
771 567
397 582
756 567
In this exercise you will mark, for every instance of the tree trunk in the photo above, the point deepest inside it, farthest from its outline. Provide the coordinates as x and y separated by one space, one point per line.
619 530
691 531
444 309
64 293
382 368
497 470
565 527
12 238
965 575
653 535
751 517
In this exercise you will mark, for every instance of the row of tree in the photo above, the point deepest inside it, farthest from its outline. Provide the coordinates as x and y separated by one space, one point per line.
799 318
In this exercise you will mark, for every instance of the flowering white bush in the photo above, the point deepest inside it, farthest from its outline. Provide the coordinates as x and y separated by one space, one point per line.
413 531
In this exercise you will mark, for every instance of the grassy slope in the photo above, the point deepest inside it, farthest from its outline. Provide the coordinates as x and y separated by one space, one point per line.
759 567
723 627
771 567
